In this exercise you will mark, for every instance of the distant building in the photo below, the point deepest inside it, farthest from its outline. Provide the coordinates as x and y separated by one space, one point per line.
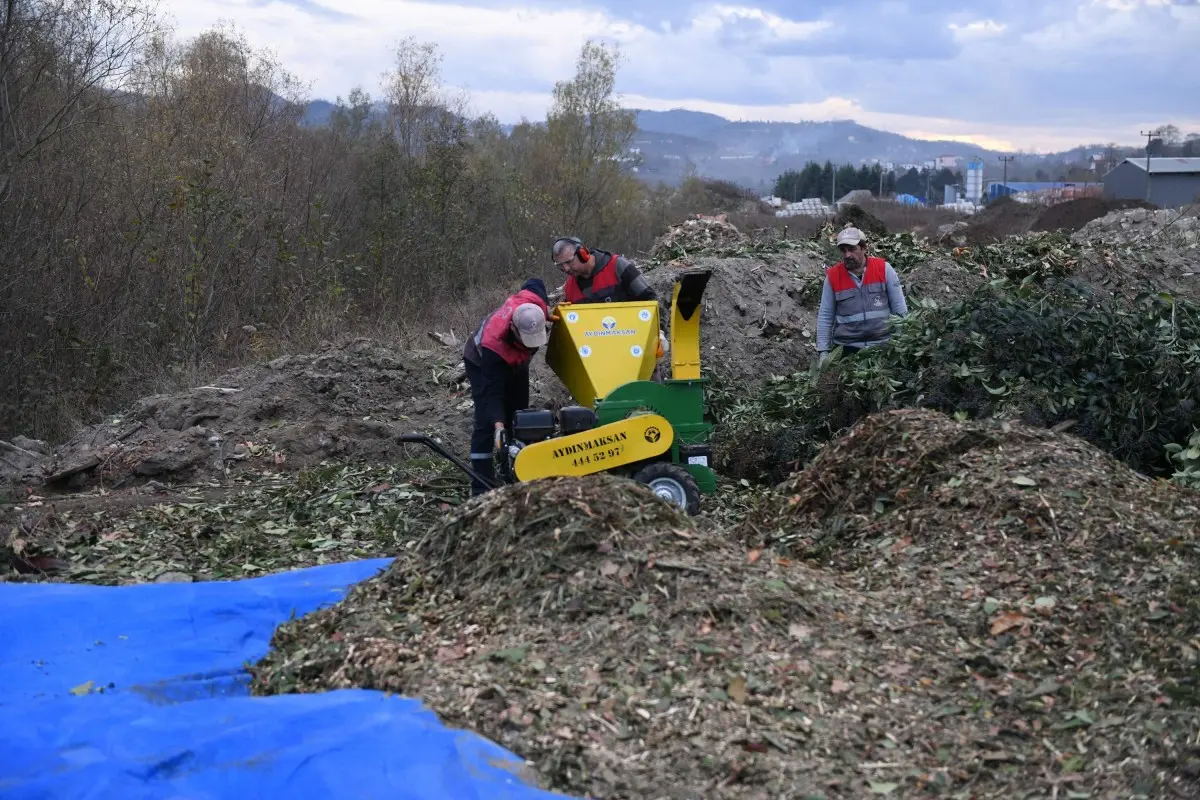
1174 182
1042 191
974 188
945 162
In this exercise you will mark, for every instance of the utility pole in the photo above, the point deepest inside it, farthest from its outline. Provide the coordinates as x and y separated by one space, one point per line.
1005 160
1149 136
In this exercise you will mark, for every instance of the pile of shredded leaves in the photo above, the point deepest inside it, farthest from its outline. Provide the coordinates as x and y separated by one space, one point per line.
624 651
257 523
694 236
1060 584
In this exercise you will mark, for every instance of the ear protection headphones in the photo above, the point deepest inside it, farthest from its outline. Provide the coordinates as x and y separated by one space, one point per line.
581 252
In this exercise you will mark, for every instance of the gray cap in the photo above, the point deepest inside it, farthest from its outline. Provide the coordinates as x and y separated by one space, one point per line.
851 236
529 321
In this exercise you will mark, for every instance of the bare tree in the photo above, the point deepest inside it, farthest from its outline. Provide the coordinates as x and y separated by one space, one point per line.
417 100
1170 135
589 131
62 64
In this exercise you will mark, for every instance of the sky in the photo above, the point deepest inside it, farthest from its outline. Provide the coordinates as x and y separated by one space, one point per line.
1017 75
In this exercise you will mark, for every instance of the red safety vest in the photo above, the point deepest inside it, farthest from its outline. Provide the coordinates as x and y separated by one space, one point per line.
840 279
860 314
494 332
604 285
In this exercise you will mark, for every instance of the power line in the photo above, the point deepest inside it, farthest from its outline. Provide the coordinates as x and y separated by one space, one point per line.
1005 160
1149 136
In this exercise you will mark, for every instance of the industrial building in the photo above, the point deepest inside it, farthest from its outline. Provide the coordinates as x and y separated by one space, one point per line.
1173 182
1042 191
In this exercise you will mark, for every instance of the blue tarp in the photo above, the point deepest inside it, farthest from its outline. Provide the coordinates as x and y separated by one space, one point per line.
175 719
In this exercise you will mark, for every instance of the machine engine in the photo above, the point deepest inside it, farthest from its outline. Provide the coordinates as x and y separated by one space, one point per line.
534 425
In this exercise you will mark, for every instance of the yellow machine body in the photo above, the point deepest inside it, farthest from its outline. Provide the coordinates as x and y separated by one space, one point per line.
596 347
616 444
685 328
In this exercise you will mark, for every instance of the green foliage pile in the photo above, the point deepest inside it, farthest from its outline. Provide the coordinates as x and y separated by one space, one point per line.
1031 257
1124 375
1187 457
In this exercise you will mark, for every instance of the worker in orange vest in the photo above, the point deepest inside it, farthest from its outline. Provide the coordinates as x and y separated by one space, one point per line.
860 295
497 362
598 276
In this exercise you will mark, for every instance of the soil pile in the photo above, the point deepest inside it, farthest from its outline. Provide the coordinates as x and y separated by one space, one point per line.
696 234
1143 227
1000 218
344 402
1063 581
760 305
591 629
858 217
1074 214
759 311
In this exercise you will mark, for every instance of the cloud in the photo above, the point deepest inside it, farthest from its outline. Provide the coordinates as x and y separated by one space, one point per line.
1038 76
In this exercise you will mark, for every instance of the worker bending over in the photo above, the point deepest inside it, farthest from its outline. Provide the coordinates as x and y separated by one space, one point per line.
497 361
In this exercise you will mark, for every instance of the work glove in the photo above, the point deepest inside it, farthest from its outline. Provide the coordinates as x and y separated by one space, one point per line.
664 345
501 439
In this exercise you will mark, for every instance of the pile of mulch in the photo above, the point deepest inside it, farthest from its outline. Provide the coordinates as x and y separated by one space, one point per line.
1064 583
1074 214
625 652
1001 218
695 235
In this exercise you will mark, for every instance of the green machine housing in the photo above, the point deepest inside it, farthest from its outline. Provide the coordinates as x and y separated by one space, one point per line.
614 374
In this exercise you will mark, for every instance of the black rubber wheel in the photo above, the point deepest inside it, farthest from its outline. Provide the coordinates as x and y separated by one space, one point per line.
672 483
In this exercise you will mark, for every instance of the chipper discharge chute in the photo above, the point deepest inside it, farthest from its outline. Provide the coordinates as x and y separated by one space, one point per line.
624 420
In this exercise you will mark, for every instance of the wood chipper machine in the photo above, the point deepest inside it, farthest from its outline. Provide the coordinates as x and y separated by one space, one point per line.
624 421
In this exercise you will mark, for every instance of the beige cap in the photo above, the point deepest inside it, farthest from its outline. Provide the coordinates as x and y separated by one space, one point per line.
529 321
851 236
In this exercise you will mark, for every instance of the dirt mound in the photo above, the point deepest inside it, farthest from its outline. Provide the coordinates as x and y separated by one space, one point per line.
1063 580
1074 214
1166 227
760 308
858 217
344 401
597 633
1002 217
759 311
693 235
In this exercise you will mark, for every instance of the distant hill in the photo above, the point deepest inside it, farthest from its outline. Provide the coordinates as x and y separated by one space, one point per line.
754 154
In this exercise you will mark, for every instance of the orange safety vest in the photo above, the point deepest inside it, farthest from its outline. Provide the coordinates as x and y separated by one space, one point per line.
860 312
604 285
495 334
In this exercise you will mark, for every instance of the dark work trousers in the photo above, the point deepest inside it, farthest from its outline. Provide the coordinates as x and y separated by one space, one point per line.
515 397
